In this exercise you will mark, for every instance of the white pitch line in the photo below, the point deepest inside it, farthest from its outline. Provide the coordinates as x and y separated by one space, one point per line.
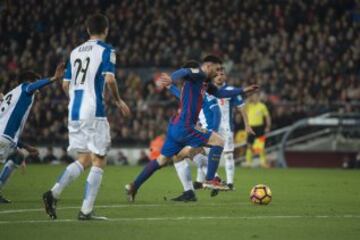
198 218
126 206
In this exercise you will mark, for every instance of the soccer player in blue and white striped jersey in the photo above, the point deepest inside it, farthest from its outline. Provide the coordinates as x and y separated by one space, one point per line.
15 107
91 66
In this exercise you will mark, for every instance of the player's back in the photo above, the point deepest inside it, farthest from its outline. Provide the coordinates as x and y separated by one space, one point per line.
14 110
86 71
191 98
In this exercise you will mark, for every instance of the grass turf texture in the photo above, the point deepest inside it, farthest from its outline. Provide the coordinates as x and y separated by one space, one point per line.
307 204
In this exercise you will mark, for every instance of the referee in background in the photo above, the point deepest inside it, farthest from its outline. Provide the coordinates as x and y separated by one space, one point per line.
260 122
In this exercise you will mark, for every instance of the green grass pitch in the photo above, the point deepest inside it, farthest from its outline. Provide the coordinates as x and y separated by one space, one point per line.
307 204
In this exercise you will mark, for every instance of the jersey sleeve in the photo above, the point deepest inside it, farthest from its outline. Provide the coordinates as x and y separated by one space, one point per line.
109 61
174 90
67 74
32 87
238 101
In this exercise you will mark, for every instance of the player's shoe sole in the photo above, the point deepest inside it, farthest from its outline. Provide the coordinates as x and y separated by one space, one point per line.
50 204
130 192
188 196
90 217
215 185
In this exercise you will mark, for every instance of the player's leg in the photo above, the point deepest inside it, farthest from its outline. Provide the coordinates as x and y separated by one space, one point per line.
154 165
71 172
201 163
229 159
183 171
249 151
92 187
216 143
202 137
13 161
99 141
77 142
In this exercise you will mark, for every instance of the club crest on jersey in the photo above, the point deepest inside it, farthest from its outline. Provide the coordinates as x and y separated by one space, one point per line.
194 70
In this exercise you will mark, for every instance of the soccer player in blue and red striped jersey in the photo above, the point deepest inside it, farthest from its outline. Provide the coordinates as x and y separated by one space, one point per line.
182 130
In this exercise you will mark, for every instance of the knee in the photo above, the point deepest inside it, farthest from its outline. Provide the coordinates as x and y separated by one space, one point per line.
220 141
99 161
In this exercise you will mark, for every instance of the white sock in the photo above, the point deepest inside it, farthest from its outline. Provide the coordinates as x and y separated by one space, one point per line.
184 173
71 172
201 162
229 167
9 166
93 183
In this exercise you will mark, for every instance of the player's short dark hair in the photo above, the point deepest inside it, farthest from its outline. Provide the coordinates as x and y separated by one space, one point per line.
97 23
28 76
191 64
212 59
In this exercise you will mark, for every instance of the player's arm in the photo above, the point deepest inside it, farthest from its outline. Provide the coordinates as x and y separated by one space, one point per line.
267 119
32 87
112 86
1 97
224 93
109 61
245 118
183 73
174 90
67 79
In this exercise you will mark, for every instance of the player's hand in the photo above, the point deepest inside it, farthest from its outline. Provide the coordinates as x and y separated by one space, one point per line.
249 130
251 89
59 72
1 97
267 129
164 80
32 150
124 109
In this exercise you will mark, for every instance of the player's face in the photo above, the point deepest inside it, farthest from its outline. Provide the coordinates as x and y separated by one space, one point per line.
220 77
214 68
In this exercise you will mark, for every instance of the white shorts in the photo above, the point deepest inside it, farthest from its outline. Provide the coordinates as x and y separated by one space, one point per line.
6 148
89 136
229 140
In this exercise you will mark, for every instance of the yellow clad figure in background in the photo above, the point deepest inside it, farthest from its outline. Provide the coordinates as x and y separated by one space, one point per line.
260 122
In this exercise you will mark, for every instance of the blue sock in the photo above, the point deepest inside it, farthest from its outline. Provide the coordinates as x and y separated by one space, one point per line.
148 170
6 172
213 162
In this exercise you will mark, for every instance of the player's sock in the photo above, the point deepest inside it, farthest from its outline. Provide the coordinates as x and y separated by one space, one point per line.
71 172
184 173
148 170
92 186
6 172
201 163
229 167
262 156
248 156
213 162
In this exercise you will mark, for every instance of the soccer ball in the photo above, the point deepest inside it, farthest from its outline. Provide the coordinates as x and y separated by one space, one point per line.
260 194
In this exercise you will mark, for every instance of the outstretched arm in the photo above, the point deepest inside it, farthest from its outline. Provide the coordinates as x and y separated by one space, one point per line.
30 149
224 93
32 87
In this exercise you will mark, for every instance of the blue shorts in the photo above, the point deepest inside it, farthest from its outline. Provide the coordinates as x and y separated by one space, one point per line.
180 136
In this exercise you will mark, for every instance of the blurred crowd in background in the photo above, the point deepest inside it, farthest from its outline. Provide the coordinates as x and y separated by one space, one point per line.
304 54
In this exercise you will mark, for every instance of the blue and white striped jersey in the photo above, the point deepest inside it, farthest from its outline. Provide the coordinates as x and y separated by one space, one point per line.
86 70
14 111
226 108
